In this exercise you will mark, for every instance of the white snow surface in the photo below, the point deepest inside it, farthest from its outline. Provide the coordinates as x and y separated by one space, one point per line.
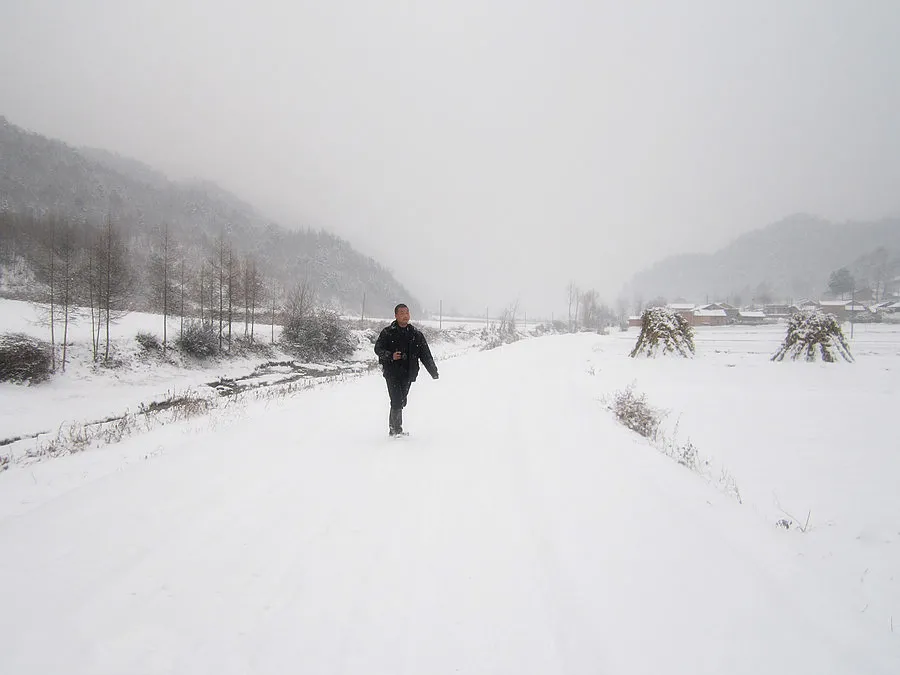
519 529
86 392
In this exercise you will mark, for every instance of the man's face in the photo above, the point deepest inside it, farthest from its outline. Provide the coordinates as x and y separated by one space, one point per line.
402 316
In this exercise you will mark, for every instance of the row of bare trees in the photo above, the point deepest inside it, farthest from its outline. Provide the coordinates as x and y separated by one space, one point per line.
215 289
589 312
78 266
83 269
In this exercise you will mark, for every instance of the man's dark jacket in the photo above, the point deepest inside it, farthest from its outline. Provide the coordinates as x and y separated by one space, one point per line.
411 343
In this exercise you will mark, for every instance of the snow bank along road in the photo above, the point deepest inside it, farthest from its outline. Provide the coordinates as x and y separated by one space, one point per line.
518 530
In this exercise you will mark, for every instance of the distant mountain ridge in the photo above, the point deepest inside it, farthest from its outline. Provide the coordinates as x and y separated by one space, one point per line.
46 176
791 258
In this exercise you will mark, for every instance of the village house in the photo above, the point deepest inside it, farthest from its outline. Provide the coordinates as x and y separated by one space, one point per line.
709 317
751 317
730 310
777 311
836 307
685 309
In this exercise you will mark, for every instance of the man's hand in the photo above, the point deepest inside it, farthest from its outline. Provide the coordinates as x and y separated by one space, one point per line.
398 356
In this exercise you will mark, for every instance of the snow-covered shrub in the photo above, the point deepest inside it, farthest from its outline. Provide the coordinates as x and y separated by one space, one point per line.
371 335
199 339
148 341
634 412
244 346
812 332
685 454
24 358
431 334
4 462
867 317
664 331
551 328
319 335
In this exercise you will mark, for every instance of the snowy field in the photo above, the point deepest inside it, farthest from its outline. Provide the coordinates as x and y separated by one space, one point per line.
519 529
87 393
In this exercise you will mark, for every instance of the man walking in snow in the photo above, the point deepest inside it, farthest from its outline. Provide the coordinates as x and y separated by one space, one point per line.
400 347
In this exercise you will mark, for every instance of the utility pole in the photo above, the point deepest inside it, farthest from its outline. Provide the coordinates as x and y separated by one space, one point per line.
362 317
440 315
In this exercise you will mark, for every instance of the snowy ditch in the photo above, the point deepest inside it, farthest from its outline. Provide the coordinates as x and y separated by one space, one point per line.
634 412
222 398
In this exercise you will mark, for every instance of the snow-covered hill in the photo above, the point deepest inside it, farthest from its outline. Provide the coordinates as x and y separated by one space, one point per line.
40 176
519 529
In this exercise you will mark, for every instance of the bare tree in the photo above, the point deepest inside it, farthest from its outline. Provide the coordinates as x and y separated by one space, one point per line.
117 289
90 282
589 306
233 280
245 287
621 308
203 281
300 302
508 320
46 271
51 264
67 285
572 291
181 292
162 275
575 325
219 268
273 296
254 292
90 287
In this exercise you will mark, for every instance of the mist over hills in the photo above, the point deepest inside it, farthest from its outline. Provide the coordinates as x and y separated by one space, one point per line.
791 258
42 176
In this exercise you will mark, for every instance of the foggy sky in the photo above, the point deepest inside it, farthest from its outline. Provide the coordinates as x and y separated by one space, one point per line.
484 150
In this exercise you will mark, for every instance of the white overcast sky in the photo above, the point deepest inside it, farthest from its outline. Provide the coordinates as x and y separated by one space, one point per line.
484 150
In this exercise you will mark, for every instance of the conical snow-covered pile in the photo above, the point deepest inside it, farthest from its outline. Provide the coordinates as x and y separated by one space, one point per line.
812 332
664 332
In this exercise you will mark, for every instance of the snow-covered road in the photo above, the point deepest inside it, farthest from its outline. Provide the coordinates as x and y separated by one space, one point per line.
517 530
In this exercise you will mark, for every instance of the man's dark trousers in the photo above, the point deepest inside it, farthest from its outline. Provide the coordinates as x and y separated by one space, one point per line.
397 389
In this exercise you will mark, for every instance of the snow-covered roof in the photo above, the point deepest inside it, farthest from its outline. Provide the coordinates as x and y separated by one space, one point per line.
752 315
896 305
709 312
680 306
834 303
857 308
